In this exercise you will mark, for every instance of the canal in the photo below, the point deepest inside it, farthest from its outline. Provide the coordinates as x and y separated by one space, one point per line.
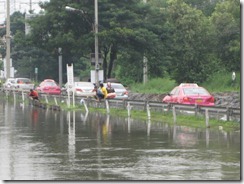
42 144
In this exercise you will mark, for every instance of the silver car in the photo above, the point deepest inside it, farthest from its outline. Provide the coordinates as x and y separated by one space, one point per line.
120 90
80 89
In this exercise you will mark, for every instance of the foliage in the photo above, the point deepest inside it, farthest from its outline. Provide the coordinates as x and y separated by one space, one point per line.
191 60
222 82
154 86
226 19
185 40
218 82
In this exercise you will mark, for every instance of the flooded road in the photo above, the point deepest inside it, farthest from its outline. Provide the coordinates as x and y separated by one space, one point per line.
39 144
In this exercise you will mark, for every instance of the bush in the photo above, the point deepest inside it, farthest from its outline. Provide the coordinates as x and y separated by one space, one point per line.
222 82
154 86
219 82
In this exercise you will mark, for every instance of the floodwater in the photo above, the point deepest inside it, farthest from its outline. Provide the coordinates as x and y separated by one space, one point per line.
39 144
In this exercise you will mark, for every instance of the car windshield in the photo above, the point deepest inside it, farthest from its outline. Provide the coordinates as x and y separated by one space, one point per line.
195 91
81 84
24 81
117 86
11 80
50 83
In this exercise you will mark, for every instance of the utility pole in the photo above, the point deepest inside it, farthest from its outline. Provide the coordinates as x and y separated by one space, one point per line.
96 44
30 6
145 60
60 67
7 74
96 38
145 69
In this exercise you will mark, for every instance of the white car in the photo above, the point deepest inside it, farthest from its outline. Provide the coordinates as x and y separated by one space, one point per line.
8 83
120 90
80 89
22 84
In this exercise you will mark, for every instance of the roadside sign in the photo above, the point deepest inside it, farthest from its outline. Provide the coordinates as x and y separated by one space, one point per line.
36 70
70 76
70 81
100 76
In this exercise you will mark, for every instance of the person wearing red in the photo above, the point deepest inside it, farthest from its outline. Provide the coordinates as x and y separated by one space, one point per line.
33 94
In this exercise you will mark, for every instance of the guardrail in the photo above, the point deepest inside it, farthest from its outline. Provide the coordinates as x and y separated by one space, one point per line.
224 113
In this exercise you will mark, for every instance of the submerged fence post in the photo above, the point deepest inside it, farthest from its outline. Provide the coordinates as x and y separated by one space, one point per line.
196 110
14 97
55 100
228 114
23 96
107 106
148 111
7 93
128 109
207 118
174 114
46 99
82 101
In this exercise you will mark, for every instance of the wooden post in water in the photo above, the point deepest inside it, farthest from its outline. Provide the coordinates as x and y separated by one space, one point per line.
23 96
46 99
148 127
55 100
14 97
228 114
196 110
174 114
148 111
107 106
128 109
207 118
82 101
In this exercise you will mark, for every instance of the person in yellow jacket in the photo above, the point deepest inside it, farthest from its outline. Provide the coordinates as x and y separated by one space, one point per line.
102 92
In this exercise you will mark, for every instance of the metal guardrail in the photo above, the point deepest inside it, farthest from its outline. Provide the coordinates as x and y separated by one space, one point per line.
214 111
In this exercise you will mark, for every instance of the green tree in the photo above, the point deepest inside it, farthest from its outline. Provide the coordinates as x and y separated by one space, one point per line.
192 58
226 20
122 24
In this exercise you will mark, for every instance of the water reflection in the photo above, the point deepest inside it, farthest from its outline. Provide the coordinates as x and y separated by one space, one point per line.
42 144
71 129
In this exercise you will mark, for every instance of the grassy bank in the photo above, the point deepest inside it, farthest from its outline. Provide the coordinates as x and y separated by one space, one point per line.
167 117
219 82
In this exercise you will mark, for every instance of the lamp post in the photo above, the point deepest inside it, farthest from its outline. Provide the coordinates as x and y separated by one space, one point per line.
7 74
96 38
96 45
60 76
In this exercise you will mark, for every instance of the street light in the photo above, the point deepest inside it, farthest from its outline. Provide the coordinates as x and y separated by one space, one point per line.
73 9
96 38
7 74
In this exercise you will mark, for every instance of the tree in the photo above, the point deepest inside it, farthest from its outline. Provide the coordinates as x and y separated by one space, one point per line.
192 58
226 20
121 23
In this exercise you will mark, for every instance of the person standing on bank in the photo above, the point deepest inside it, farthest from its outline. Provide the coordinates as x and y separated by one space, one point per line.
102 92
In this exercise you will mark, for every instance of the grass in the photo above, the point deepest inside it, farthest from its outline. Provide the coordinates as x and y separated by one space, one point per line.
167 117
154 86
222 82
219 82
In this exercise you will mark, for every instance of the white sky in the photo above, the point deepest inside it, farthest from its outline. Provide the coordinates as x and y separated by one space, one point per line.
18 5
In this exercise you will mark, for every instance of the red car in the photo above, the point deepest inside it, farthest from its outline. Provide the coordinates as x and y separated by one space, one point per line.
189 93
49 86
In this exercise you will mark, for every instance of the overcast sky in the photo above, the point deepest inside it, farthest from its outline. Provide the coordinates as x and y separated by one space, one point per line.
18 5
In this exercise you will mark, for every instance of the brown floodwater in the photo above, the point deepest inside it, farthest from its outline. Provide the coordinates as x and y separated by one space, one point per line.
41 144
